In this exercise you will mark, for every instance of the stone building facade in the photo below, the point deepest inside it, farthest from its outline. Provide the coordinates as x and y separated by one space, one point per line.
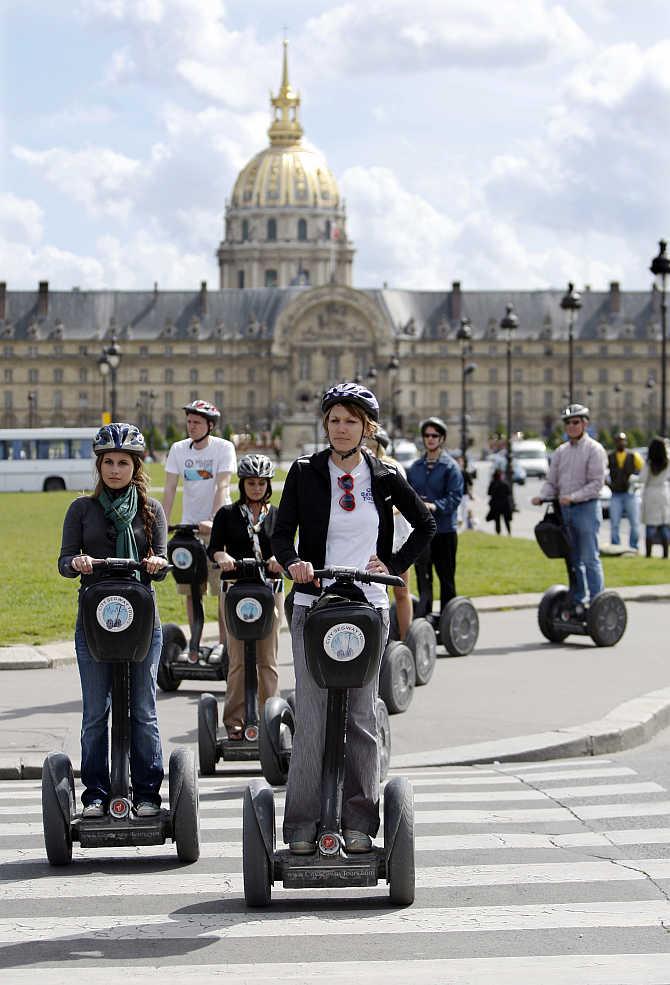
285 322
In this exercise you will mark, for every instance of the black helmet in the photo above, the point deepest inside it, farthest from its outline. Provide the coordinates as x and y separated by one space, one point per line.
119 437
351 393
255 466
204 408
575 410
436 422
382 438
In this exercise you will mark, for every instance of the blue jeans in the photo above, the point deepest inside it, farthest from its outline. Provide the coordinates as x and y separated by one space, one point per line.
146 756
583 523
624 504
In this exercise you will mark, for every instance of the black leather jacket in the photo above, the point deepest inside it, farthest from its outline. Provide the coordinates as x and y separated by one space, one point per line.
305 506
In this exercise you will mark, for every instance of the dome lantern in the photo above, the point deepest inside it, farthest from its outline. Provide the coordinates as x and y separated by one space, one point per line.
285 129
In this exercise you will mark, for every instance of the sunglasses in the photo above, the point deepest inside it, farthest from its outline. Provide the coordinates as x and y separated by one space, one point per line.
431 434
347 501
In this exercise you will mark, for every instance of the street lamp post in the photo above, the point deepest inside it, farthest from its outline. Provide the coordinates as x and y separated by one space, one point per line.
650 384
392 369
617 406
509 324
464 335
660 268
32 400
571 302
108 363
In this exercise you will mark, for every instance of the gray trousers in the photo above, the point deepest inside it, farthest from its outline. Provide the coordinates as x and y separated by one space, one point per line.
360 799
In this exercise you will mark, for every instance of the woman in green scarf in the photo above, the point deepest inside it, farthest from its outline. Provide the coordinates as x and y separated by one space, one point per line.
118 520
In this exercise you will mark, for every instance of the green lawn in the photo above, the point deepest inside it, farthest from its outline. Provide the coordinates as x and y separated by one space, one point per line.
37 605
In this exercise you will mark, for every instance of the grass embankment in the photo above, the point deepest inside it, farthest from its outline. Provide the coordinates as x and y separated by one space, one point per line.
37 605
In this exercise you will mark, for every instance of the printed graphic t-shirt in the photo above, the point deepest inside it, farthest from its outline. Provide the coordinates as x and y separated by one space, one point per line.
198 470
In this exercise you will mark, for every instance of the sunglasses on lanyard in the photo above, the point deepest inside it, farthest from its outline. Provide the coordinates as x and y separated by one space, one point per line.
347 501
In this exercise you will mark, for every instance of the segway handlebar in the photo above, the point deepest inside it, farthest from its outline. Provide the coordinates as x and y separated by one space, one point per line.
246 567
341 573
124 565
191 528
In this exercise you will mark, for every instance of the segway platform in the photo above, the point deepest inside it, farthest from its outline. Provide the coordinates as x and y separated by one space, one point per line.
110 832
329 872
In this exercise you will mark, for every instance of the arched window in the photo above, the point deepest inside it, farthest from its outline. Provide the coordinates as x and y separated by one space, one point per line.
302 230
245 230
272 230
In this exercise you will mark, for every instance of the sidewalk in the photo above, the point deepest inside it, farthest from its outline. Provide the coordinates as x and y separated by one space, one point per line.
516 697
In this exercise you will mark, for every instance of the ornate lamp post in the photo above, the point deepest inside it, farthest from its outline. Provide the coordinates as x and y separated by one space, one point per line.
617 406
571 302
32 401
650 384
660 268
392 368
108 363
509 325
464 336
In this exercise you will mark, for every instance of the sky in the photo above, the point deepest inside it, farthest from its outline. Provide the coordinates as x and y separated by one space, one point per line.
503 143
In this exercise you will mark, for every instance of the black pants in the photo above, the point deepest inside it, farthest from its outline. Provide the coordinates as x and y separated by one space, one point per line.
441 554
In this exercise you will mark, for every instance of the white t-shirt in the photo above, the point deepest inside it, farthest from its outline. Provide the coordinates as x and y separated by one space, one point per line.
352 535
198 469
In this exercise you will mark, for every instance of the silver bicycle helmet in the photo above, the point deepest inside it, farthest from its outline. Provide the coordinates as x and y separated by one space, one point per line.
255 466
575 410
435 422
351 393
119 437
204 408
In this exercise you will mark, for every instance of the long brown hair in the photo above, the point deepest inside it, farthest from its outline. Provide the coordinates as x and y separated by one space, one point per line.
140 480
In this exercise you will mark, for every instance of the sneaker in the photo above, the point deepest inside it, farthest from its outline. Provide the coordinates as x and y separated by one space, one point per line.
357 841
302 847
147 809
216 654
95 809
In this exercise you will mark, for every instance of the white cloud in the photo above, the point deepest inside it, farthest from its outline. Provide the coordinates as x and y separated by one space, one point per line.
147 257
21 219
23 266
98 178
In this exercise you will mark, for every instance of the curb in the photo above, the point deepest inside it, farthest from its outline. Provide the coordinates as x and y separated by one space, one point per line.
21 656
629 724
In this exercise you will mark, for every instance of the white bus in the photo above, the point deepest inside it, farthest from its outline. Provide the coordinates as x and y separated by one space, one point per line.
46 459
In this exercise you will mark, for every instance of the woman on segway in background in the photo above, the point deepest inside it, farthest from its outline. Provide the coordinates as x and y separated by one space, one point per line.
118 520
242 530
340 501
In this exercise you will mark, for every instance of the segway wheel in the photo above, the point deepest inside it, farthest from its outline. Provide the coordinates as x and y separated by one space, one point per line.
397 678
255 860
399 840
183 779
207 716
174 643
394 632
459 627
290 701
423 644
548 614
58 807
606 618
383 739
275 740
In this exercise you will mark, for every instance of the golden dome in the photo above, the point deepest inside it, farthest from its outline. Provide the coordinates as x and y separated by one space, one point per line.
287 172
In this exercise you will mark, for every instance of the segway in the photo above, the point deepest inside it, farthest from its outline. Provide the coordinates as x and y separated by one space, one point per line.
267 736
558 615
421 640
456 628
118 620
179 660
343 649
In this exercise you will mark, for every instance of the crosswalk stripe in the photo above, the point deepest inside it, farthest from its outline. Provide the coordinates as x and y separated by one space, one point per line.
60 886
544 764
224 925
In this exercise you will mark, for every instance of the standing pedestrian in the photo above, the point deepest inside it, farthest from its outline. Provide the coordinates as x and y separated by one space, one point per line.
656 497
340 502
576 476
500 501
205 464
438 480
623 465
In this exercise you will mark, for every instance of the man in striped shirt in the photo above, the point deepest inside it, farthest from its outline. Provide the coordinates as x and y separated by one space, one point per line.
576 476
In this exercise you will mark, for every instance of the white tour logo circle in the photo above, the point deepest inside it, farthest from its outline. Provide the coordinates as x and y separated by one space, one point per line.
344 642
182 558
114 613
249 610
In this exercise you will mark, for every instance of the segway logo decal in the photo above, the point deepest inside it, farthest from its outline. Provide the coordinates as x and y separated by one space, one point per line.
182 558
114 614
249 610
344 642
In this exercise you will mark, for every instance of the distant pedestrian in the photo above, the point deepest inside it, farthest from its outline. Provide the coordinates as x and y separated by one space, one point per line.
655 511
500 501
623 465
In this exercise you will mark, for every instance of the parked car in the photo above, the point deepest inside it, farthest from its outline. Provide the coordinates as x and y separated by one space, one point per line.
405 452
532 455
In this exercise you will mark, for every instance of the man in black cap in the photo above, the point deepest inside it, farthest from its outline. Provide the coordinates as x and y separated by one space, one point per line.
623 465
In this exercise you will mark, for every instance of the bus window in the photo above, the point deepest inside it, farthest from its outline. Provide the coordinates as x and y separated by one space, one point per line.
81 448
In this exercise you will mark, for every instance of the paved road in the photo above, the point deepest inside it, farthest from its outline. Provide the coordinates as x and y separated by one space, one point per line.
546 873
